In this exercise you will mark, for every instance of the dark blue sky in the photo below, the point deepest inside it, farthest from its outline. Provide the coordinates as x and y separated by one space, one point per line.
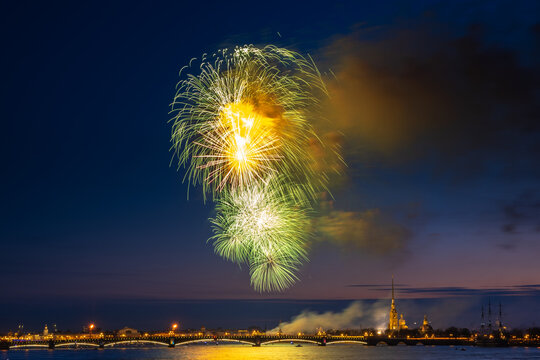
443 145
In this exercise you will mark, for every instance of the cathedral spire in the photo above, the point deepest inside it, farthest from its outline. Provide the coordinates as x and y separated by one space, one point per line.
392 288
393 322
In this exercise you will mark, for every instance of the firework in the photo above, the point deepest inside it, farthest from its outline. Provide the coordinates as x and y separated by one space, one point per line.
245 116
242 130
265 229
273 270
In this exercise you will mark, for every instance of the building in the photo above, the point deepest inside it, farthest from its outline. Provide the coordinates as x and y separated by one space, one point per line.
128 332
426 327
402 323
395 324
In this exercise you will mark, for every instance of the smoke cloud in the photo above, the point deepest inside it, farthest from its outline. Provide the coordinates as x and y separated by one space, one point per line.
459 102
357 315
369 231
414 98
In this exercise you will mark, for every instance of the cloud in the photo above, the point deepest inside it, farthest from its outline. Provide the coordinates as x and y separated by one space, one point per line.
452 291
522 211
509 228
521 215
385 286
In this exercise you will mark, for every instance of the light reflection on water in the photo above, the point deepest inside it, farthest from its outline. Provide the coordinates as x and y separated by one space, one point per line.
278 351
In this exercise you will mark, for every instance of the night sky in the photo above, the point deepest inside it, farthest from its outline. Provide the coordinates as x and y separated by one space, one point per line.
439 106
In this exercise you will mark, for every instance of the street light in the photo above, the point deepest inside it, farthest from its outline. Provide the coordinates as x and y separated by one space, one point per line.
91 327
174 327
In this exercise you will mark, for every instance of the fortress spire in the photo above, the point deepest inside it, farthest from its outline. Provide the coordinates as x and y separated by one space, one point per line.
392 289
393 322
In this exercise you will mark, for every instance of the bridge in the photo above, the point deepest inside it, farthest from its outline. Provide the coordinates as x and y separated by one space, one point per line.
253 340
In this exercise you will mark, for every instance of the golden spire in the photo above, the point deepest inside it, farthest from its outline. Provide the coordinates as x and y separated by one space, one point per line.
393 323
392 288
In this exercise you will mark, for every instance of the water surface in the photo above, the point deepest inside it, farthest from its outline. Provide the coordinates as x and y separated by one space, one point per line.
278 351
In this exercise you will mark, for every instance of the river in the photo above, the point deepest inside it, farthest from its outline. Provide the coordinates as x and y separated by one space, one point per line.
278 351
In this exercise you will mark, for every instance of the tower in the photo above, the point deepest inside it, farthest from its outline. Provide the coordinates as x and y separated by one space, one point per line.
499 319
482 322
426 327
402 323
490 327
393 323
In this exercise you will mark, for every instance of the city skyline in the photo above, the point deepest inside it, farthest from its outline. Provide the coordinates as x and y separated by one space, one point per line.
438 104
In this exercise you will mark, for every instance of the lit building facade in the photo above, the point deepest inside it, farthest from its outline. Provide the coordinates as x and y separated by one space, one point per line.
395 323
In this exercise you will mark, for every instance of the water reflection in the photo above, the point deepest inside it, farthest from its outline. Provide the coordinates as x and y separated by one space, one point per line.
275 351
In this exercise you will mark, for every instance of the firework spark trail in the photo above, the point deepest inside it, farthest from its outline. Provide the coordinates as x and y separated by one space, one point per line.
245 116
268 231
242 130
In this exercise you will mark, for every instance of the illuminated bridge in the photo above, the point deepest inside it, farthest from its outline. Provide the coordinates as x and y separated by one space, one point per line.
254 340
